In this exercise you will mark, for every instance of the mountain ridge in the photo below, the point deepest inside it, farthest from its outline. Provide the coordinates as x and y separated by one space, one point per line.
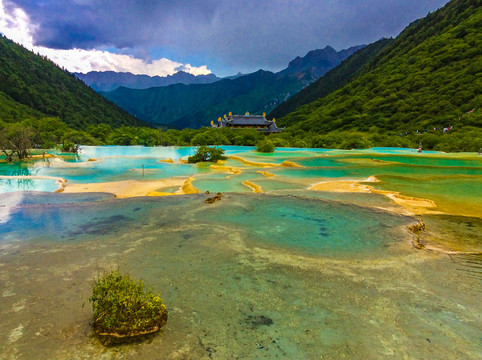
426 80
333 79
29 81
195 105
111 80
318 61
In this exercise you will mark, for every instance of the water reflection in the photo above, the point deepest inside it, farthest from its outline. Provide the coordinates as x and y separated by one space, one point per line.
256 266
103 164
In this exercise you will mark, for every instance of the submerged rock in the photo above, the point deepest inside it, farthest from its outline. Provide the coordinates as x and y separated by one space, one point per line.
110 338
214 198
418 227
258 320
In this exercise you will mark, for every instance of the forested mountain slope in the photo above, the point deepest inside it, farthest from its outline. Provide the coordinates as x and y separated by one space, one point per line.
332 80
196 105
428 78
31 85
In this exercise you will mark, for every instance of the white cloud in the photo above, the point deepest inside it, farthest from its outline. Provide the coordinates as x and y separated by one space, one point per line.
16 25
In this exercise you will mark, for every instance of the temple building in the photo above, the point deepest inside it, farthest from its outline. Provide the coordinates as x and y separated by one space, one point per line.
247 121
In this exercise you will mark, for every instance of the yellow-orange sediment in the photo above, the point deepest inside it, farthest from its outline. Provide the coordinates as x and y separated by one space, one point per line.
265 173
253 186
252 163
41 156
231 169
414 205
160 193
188 188
285 163
127 188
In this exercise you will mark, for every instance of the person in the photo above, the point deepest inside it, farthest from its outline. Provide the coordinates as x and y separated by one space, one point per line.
420 148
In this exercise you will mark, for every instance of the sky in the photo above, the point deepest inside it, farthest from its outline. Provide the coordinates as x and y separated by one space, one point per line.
161 37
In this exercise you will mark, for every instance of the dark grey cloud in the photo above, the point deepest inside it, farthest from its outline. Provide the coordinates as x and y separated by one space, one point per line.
226 35
65 24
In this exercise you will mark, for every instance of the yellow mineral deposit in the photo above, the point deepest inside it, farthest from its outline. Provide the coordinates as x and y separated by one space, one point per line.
253 186
229 169
265 173
285 163
128 188
416 206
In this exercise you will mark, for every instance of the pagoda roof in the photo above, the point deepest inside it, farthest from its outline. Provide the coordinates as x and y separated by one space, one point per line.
248 120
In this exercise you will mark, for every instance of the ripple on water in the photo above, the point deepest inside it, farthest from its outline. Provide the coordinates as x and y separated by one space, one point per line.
308 225
234 302
291 222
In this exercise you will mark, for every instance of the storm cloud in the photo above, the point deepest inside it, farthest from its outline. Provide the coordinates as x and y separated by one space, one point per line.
227 36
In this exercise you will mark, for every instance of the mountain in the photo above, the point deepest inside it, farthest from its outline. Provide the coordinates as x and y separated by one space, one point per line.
429 77
12 111
332 80
196 105
193 106
110 80
33 86
318 62
232 77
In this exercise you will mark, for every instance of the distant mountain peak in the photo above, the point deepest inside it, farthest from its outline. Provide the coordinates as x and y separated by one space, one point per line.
258 92
419 80
111 80
318 62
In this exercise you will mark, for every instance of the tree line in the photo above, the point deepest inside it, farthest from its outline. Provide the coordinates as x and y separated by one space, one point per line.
16 139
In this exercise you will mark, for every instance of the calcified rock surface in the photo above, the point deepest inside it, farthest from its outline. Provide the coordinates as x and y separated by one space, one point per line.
301 282
344 270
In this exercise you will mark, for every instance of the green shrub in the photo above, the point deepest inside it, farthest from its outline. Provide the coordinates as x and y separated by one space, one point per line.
207 153
69 147
355 141
122 307
265 146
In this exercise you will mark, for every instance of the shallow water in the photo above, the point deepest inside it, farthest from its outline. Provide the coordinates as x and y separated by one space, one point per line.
291 273
117 163
275 289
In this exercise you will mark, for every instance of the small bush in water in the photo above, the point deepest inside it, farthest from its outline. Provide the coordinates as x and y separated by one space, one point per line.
207 153
265 146
123 308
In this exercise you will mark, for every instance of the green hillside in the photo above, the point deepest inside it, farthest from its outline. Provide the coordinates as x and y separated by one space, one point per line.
333 80
12 111
428 78
32 86
196 105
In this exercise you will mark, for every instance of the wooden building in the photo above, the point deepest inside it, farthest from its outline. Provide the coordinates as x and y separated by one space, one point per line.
247 121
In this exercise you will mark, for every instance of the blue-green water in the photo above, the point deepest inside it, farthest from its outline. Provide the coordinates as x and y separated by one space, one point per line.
250 276
11 185
302 224
309 225
289 274
119 163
